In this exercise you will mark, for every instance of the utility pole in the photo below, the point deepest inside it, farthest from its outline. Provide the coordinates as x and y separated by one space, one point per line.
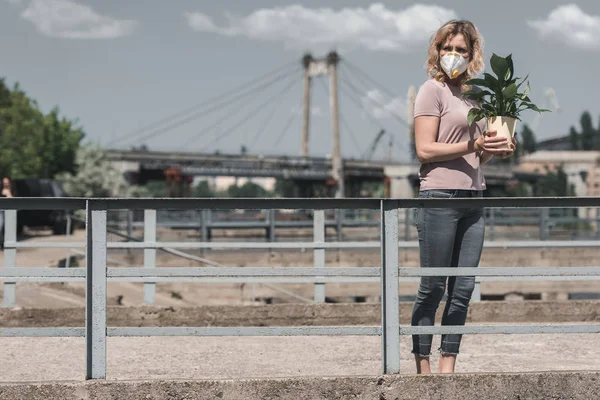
306 61
336 157
324 67
411 122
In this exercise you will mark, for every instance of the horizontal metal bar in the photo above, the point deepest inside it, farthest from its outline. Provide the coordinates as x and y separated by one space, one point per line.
280 279
236 203
530 244
240 272
249 279
37 279
243 245
78 203
44 245
43 272
248 331
346 245
42 332
501 271
42 203
499 329
297 274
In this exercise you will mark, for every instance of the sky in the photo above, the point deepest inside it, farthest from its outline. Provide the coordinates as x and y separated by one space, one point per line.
121 67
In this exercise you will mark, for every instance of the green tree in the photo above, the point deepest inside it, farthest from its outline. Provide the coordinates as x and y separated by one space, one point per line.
588 132
248 189
554 183
528 141
574 141
202 189
34 145
97 177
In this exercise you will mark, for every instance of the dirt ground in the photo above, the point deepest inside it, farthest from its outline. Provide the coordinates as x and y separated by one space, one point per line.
43 359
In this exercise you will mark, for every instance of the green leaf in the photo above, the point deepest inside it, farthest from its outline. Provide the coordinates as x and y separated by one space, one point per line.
527 89
477 95
474 115
501 67
509 92
511 68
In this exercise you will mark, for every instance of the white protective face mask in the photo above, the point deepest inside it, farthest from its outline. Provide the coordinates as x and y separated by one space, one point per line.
454 64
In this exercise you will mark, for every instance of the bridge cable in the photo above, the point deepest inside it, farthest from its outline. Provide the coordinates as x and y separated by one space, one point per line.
369 116
266 123
343 119
250 115
216 107
286 128
377 85
182 113
213 126
391 112
372 118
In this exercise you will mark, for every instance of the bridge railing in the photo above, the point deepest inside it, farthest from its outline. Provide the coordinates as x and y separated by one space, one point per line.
96 274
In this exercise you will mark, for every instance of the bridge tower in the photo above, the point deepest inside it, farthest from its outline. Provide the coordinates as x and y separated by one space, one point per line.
324 67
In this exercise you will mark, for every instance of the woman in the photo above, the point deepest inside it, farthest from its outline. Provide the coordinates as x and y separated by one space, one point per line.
450 152
6 192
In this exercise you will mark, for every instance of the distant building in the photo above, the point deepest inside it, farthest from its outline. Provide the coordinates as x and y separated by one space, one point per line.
562 143
555 144
582 169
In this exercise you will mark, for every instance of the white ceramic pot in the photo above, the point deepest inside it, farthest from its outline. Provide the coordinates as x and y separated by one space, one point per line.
504 126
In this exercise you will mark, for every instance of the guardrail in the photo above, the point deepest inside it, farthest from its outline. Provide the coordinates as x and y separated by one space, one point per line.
206 221
96 273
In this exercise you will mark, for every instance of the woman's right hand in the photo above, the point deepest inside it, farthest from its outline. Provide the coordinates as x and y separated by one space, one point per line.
491 143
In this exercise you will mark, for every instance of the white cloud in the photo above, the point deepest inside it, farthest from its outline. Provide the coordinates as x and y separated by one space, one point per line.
381 107
570 25
68 19
374 28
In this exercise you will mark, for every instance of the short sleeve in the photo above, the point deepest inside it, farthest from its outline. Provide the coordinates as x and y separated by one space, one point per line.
428 101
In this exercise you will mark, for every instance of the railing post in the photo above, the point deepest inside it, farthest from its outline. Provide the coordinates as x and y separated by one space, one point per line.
492 223
10 256
68 234
319 253
544 220
407 224
272 219
476 296
149 254
597 223
339 224
95 310
390 318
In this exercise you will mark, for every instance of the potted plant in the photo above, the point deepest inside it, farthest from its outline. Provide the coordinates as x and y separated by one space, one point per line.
499 98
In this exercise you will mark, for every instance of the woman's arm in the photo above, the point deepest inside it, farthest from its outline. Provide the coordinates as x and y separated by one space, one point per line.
430 151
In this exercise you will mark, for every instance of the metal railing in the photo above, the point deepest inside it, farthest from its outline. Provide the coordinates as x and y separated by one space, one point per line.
547 223
96 274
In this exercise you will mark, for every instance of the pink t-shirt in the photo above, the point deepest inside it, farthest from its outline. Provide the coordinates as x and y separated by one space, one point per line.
445 101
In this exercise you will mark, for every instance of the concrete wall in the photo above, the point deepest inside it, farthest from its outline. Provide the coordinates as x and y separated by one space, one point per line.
530 386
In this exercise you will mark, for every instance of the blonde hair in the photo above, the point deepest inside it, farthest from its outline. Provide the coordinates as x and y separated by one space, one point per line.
474 42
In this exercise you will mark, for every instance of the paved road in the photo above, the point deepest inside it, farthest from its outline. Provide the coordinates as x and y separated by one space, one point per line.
35 359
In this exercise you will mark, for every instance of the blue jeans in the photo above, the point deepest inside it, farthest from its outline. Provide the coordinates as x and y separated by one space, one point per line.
448 237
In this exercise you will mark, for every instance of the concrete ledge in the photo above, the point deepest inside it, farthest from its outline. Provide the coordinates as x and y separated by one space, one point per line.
531 386
299 314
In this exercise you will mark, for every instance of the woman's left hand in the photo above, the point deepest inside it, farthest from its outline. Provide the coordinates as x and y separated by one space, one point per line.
513 146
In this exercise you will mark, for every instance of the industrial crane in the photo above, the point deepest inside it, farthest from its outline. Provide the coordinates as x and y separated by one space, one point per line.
369 154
